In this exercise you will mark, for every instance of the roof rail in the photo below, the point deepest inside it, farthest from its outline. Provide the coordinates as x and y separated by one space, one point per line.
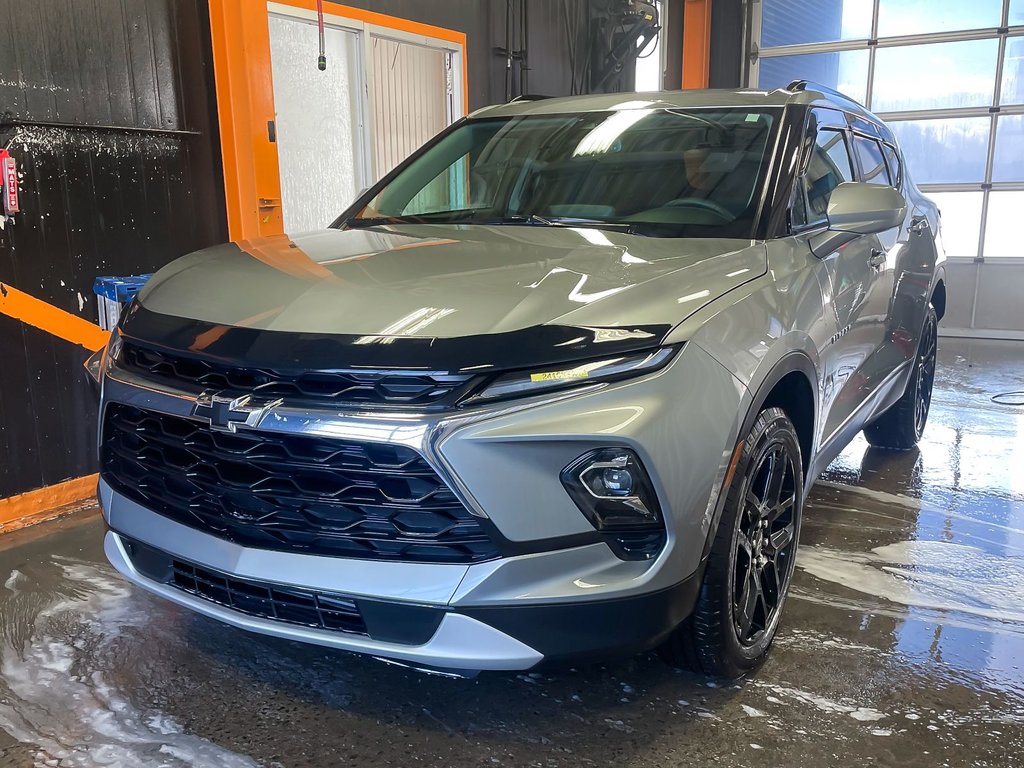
529 97
805 85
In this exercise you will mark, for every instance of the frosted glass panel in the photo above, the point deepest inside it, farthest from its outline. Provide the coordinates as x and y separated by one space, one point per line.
788 22
935 76
317 122
916 17
961 221
1016 12
1013 69
1002 232
1008 164
946 150
846 71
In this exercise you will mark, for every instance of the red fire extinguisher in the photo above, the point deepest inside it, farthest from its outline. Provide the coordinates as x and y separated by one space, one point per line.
8 183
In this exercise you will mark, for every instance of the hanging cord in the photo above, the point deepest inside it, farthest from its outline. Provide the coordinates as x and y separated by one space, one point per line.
1009 398
570 47
321 62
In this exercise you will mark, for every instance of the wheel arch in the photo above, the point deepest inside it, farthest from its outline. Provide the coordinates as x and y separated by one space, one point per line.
938 296
791 384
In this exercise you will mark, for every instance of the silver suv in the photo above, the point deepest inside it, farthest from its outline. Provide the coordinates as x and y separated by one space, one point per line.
555 388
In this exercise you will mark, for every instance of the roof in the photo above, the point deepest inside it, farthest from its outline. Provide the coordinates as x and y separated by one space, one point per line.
799 92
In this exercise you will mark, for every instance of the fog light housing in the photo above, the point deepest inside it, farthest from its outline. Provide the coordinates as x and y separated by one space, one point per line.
615 493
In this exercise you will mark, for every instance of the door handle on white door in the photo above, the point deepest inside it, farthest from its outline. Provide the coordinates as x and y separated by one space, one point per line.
918 224
878 258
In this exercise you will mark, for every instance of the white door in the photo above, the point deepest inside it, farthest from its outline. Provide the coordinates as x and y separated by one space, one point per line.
413 98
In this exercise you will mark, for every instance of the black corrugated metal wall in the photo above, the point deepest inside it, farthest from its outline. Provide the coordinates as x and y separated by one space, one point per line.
107 107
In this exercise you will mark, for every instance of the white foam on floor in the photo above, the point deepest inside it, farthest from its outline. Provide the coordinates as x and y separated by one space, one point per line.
77 717
822 703
927 574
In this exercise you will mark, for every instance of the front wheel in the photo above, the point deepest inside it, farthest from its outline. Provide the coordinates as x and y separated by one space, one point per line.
901 427
752 558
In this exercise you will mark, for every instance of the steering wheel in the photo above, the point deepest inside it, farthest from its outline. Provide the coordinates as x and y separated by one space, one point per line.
705 205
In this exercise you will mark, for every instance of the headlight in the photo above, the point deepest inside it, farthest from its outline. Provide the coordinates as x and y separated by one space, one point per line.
98 362
520 383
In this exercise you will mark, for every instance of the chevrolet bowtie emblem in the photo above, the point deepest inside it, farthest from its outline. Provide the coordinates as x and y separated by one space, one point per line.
227 414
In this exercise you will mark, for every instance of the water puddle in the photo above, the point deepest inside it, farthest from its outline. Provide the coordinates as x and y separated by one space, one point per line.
927 574
57 654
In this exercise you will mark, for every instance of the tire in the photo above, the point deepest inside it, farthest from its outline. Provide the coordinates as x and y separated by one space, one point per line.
900 428
750 566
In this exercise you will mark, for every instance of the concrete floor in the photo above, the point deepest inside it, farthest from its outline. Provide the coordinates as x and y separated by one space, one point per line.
903 644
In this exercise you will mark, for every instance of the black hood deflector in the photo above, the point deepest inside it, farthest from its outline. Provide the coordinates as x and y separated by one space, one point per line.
534 347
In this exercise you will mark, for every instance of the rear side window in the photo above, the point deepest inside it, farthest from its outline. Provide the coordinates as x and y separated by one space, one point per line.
892 159
828 166
872 162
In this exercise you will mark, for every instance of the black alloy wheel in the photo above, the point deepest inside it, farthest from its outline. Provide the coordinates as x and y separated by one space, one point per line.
765 543
902 425
926 357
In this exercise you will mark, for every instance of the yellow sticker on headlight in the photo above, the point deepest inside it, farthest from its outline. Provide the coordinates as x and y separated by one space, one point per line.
575 373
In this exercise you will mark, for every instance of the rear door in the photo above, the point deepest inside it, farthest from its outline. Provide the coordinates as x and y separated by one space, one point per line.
904 280
888 253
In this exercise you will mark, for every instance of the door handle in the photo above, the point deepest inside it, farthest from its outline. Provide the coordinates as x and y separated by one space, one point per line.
918 224
878 258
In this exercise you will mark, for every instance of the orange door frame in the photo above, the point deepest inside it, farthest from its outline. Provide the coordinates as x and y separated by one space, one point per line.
240 35
696 43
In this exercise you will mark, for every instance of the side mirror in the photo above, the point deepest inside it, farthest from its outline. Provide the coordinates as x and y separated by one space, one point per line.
860 208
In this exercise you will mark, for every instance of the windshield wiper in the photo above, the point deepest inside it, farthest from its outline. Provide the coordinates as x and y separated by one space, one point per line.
532 219
435 217
561 221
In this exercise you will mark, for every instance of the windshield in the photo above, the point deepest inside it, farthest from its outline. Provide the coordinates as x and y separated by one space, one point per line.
660 172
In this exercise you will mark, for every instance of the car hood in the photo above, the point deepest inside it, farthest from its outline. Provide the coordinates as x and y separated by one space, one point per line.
438 281
433 297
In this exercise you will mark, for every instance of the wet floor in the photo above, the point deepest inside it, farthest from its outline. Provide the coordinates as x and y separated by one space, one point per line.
902 645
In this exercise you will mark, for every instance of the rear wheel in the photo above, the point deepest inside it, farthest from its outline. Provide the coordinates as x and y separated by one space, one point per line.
901 427
752 558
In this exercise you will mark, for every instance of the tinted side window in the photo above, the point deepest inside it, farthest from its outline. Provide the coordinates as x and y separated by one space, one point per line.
828 167
893 160
872 163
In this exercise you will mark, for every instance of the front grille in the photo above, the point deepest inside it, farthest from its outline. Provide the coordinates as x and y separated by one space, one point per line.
427 389
290 492
269 601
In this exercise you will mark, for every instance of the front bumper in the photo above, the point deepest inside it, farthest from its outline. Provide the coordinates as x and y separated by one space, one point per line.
557 592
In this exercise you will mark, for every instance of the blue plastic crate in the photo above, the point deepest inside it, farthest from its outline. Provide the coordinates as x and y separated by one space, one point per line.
113 294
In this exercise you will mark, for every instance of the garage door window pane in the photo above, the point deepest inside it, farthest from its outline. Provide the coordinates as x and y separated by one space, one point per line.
1013 69
1002 232
846 71
961 221
1009 157
935 76
916 17
789 22
1016 12
952 150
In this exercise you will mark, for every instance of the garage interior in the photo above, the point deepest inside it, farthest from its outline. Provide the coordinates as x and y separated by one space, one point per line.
143 130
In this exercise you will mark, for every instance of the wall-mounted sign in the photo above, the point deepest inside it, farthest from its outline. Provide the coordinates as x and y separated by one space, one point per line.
9 177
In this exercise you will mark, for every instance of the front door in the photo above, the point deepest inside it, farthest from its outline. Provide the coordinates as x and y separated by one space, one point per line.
850 273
